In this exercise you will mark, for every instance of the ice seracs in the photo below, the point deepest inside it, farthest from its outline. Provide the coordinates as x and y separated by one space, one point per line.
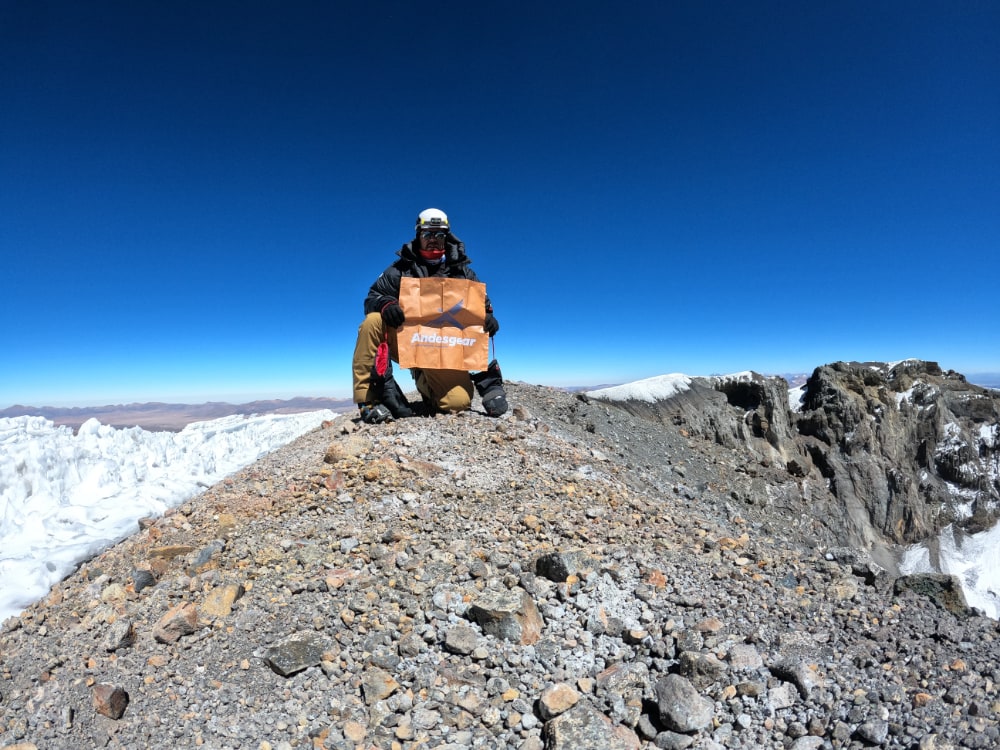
65 497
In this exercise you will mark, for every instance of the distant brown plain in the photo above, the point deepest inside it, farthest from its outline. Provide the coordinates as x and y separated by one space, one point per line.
172 417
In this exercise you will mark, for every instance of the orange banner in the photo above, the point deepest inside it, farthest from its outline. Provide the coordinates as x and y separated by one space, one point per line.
444 324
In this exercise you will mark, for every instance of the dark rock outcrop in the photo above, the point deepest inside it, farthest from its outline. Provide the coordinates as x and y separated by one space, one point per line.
872 455
914 446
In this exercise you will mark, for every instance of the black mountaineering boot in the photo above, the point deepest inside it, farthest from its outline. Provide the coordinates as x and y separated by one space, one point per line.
374 413
393 397
386 391
489 384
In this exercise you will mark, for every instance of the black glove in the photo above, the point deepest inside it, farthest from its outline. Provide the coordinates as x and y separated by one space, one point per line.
392 315
490 325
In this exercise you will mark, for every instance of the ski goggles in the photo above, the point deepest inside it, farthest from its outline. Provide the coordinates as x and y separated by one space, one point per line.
433 233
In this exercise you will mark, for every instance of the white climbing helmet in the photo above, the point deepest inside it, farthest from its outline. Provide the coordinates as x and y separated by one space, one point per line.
432 218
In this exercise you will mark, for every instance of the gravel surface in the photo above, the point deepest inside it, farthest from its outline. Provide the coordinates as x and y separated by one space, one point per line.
567 576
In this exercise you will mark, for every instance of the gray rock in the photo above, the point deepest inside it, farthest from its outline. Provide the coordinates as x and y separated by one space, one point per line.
682 708
558 566
673 741
206 554
349 543
142 579
645 727
781 696
798 673
425 719
294 653
583 726
461 640
701 669
873 732
620 679
410 645
511 615
121 634
744 657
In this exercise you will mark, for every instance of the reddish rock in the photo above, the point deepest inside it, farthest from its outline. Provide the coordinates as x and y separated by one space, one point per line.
557 699
180 620
110 700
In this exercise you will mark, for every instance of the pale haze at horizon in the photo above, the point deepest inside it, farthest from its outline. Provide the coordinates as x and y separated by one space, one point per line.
196 199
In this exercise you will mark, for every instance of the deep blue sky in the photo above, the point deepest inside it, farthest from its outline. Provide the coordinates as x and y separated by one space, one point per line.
195 196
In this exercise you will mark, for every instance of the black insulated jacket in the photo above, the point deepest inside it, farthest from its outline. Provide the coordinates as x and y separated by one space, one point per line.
456 265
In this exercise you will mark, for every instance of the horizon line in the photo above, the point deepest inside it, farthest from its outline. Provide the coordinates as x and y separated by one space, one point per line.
992 376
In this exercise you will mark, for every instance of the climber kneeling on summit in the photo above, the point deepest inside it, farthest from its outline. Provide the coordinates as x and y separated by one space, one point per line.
435 252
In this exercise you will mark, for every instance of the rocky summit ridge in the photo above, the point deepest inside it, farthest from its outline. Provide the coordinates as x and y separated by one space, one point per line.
709 571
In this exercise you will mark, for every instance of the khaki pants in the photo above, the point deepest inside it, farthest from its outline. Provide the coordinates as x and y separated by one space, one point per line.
447 390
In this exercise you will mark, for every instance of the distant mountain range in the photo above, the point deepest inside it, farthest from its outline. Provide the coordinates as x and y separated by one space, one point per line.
161 416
